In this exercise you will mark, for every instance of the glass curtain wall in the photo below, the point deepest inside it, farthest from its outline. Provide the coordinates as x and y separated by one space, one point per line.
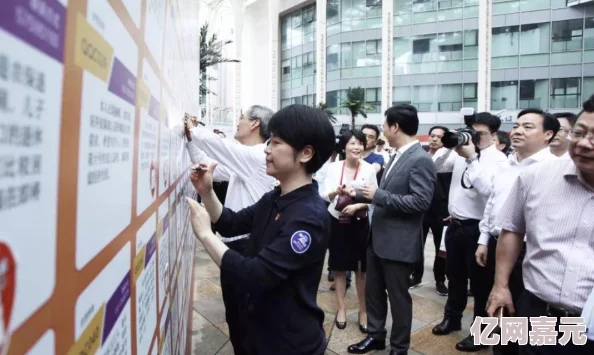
350 63
530 60
298 33
429 69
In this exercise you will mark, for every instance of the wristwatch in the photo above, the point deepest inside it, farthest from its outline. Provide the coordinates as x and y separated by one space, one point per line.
469 161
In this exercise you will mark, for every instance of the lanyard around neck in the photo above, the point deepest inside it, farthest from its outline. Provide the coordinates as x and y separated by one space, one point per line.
342 174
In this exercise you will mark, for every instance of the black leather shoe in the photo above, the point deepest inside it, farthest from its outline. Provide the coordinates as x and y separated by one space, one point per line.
413 281
446 326
340 325
366 345
441 288
467 345
362 327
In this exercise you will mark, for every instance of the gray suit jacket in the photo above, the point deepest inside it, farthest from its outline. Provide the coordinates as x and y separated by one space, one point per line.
403 197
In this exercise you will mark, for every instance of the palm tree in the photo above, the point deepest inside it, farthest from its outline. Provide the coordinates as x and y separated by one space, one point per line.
356 104
210 54
324 107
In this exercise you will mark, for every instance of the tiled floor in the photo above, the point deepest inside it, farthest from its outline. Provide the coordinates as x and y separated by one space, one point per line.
210 332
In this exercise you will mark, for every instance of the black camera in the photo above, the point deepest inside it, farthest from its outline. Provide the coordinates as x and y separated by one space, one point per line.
462 136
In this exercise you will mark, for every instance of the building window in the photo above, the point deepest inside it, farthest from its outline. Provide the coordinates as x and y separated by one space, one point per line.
298 28
332 58
296 66
450 97
449 46
448 4
504 95
424 98
506 41
565 93
353 15
567 35
424 5
589 33
534 38
308 63
332 99
470 44
286 74
470 97
401 95
373 96
534 94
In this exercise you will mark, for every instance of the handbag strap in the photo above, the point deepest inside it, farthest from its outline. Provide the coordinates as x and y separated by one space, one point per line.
342 174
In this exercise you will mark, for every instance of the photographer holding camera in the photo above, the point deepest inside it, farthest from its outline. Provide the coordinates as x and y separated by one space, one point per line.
473 169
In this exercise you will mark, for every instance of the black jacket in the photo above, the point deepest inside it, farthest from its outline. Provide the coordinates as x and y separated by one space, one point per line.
278 279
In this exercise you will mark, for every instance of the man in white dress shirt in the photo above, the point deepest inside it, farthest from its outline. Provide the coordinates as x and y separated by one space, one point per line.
530 136
470 189
551 204
243 164
560 144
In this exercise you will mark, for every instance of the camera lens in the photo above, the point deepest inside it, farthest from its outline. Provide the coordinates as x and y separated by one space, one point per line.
450 139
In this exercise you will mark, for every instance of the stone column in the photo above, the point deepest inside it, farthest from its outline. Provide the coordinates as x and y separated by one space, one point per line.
238 7
484 56
320 51
274 29
387 53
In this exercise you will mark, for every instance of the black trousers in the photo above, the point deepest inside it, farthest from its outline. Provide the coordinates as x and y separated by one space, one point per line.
234 307
461 243
516 287
391 276
532 306
435 224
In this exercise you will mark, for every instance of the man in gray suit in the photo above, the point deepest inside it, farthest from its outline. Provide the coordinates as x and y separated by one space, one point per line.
395 240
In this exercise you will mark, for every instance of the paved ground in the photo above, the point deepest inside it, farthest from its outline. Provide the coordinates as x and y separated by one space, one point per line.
210 332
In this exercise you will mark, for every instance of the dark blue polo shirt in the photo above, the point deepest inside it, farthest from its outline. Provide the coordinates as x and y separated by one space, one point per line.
375 158
280 274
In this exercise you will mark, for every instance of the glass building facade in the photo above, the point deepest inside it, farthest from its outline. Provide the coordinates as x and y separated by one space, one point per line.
354 51
542 53
298 55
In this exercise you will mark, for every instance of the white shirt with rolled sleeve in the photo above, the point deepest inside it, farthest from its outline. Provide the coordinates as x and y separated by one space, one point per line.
243 166
502 184
552 205
464 204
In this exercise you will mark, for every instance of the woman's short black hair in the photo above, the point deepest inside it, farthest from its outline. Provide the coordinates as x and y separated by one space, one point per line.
300 126
346 137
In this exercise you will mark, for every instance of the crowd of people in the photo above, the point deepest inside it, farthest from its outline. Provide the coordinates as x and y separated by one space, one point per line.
516 211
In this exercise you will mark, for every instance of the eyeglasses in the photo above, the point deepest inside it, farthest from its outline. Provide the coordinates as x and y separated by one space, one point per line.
566 132
577 136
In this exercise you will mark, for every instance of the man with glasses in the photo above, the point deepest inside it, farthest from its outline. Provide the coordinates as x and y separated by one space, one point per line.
558 269
434 218
560 144
244 167
469 191
372 133
531 135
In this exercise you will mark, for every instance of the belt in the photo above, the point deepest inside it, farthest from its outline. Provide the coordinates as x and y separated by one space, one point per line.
551 309
465 222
